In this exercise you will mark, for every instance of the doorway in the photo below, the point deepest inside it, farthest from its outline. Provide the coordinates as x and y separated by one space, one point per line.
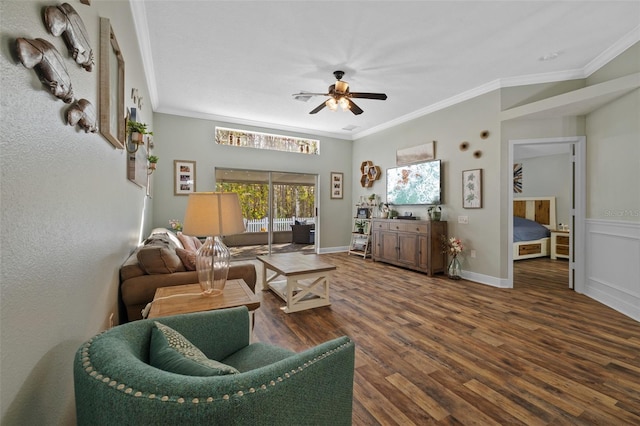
576 148
272 202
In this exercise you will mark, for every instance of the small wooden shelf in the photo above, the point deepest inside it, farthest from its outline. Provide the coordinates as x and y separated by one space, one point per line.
360 244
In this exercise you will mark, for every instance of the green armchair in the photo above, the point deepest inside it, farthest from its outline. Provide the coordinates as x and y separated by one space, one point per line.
116 385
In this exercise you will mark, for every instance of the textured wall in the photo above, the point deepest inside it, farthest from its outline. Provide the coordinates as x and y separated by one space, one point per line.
181 138
69 218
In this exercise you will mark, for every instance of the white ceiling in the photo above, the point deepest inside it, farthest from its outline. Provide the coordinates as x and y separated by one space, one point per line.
240 61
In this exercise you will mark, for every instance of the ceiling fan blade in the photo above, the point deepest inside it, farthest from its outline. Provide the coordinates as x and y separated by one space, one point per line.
318 108
302 94
364 95
354 108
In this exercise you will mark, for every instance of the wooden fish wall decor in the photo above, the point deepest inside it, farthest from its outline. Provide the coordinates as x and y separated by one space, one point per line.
48 64
83 113
64 20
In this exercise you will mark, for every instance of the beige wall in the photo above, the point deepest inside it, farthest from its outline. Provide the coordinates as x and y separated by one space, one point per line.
69 218
182 138
449 127
613 147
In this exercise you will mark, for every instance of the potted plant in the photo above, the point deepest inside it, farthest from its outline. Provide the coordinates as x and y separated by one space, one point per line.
152 159
384 210
360 225
435 213
137 130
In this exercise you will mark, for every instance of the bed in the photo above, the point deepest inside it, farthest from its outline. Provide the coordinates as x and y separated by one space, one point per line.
533 218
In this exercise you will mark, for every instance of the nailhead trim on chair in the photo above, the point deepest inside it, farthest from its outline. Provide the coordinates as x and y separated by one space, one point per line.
88 367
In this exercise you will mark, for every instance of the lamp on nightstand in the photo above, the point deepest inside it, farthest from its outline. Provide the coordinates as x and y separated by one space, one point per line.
213 214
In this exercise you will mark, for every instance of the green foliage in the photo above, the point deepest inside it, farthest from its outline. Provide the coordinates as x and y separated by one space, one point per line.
152 159
137 127
288 200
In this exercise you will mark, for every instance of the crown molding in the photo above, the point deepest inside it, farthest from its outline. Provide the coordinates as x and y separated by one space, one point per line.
613 51
253 123
141 28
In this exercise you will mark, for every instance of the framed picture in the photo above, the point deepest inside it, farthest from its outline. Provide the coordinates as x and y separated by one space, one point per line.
184 177
363 213
472 189
416 154
337 185
112 124
517 178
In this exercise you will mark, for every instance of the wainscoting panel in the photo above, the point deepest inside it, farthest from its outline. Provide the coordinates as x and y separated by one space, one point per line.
613 265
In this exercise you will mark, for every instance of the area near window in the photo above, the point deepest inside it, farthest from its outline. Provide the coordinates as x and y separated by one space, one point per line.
243 138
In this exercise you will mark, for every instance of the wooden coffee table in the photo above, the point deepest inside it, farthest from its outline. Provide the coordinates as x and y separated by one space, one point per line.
236 293
304 279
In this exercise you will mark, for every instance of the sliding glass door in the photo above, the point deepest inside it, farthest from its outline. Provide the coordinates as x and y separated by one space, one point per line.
274 205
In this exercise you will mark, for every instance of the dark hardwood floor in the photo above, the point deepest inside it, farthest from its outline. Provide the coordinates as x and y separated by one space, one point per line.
437 351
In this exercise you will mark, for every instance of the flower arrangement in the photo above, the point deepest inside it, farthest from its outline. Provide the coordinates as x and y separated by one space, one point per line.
175 224
452 246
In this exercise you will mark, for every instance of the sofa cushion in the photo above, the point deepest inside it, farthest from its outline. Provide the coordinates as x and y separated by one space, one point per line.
159 259
188 258
168 234
171 351
187 242
196 242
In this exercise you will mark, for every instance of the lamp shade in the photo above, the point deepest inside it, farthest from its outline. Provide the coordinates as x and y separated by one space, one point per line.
213 214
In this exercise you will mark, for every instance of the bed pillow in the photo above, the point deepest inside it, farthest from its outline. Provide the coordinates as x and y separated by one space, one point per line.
171 351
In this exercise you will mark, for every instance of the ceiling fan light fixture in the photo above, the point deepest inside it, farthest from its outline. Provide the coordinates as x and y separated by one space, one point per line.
344 103
331 104
341 86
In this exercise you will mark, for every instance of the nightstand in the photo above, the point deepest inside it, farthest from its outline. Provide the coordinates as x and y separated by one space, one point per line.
559 244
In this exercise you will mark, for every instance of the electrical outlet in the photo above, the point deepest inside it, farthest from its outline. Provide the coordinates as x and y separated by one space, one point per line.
473 254
463 219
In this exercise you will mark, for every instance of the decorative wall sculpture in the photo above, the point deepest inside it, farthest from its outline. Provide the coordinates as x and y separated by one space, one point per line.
83 113
64 20
48 65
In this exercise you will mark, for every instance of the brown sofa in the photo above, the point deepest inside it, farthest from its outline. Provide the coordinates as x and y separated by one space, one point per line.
156 264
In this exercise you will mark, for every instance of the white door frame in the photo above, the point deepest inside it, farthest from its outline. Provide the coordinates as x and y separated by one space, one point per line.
578 211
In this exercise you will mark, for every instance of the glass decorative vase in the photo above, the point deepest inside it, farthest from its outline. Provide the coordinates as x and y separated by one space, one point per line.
212 265
454 270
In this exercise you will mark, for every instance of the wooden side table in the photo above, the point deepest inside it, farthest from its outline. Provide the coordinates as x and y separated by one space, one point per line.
559 244
187 298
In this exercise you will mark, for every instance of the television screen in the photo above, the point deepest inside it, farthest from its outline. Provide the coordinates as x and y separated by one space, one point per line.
415 184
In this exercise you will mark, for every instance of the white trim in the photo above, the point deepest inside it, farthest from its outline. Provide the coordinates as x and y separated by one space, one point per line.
253 123
139 15
613 250
325 250
484 279
612 51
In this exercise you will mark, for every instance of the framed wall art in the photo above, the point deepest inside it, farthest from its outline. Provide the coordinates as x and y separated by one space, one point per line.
112 125
472 189
337 185
184 177
416 154
517 178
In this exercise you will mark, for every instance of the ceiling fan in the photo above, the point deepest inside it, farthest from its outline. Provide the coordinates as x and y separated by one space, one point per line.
339 95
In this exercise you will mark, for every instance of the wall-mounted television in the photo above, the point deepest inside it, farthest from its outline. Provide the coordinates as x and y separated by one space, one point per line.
415 184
